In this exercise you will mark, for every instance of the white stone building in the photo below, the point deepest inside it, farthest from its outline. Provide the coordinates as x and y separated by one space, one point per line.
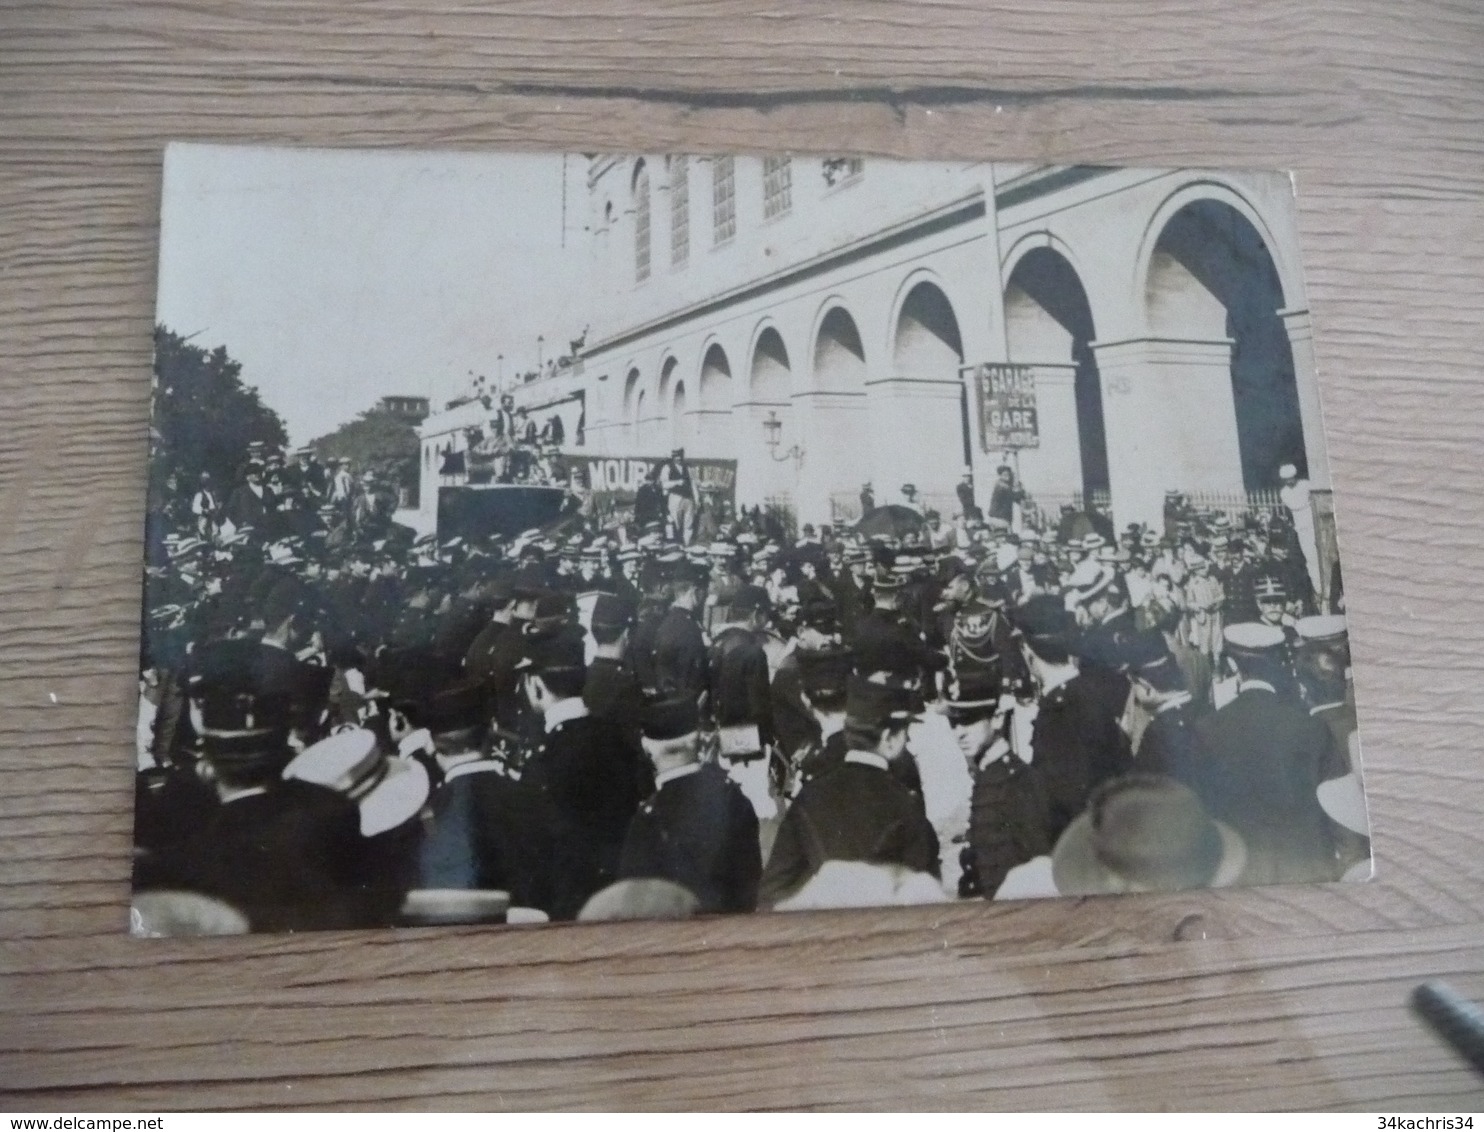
819 321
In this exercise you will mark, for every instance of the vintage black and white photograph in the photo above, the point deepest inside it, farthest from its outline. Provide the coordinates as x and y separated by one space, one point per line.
594 537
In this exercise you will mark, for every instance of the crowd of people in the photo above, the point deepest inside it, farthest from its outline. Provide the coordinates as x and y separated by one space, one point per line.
344 724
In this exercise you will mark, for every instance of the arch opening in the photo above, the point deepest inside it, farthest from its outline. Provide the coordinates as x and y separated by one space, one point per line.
1048 319
927 339
839 357
1212 276
642 243
927 344
631 395
679 423
716 379
771 378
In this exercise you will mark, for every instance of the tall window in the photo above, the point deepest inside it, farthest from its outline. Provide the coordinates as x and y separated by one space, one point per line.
641 222
723 199
778 186
679 211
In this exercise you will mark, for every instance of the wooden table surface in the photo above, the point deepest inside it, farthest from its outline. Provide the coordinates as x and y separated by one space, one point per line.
1277 998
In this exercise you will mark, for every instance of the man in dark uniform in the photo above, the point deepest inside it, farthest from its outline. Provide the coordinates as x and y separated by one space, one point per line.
587 777
698 830
1322 665
858 811
483 830
654 592
287 854
493 655
738 673
884 641
1170 743
808 693
1267 759
612 690
679 646
1007 808
1076 742
1238 577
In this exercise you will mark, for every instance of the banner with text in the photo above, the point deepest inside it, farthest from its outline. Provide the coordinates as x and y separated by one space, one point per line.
614 482
1007 407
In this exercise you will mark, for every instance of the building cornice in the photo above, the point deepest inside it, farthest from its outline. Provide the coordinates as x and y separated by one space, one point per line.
964 210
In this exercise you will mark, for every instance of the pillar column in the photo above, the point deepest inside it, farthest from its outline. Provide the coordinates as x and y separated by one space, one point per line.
710 433
1300 327
758 474
653 435
1171 422
916 436
833 432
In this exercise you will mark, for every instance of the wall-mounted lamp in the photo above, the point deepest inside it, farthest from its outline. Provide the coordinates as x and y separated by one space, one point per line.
773 434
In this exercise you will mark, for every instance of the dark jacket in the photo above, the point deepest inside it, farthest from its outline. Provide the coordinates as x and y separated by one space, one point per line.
701 832
484 832
1171 744
854 813
1077 745
679 654
885 642
491 659
612 692
289 859
1267 758
588 779
738 670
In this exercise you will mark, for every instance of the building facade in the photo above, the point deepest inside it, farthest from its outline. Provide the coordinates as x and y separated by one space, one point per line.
823 322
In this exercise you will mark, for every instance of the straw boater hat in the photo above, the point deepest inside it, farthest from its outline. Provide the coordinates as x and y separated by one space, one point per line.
387 791
1146 833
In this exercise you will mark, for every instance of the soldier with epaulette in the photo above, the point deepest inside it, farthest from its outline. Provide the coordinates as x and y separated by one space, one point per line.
697 830
983 635
1007 806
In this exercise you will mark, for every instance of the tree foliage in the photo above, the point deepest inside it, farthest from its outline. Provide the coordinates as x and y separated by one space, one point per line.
204 417
380 442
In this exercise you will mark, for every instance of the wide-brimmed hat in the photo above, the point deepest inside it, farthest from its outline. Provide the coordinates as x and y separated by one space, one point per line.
1147 833
388 791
